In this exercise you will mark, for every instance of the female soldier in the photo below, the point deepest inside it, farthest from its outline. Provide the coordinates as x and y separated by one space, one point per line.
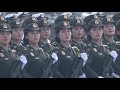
77 33
69 63
45 31
36 57
17 36
108 39
99 62
10 65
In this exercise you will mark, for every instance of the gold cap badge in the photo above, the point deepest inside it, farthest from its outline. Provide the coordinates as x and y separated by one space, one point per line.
45 21
2 18
34 25
4 26
95 16
65 16
65 24
33 18
17 22
78 20
97 22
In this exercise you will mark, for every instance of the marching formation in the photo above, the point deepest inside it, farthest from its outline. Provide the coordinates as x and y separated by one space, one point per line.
80 48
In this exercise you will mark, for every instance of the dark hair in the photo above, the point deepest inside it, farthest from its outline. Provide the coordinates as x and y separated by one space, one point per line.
88 36
25 40
56 37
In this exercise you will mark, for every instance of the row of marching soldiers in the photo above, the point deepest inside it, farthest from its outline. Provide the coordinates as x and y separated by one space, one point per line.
81 48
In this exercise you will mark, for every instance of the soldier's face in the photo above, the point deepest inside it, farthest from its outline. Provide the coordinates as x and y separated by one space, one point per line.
96 33
17 34
77 31
5 38
33 36
45 32
65 35
109 30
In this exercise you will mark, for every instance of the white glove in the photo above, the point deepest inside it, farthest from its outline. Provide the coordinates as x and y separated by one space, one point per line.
100 77
84 57
113 54
82 76
115 75
23 60
55 57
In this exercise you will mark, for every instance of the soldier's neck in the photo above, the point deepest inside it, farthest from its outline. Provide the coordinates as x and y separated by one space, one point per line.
16 41
65 44
98 42
109 38
77 39
44 41
4 46
33 44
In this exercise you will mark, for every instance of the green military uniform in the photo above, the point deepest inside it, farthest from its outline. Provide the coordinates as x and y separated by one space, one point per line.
17 48
115 45
35 56
99 62
36 62
80 45
68 58
7 62
47 47
10 65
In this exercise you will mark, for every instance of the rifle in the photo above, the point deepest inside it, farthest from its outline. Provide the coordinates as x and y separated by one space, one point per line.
50 67
47 69
16 68
107 65
77 68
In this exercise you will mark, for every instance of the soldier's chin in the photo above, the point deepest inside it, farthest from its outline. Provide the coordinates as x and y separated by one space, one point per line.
5 43
67 40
